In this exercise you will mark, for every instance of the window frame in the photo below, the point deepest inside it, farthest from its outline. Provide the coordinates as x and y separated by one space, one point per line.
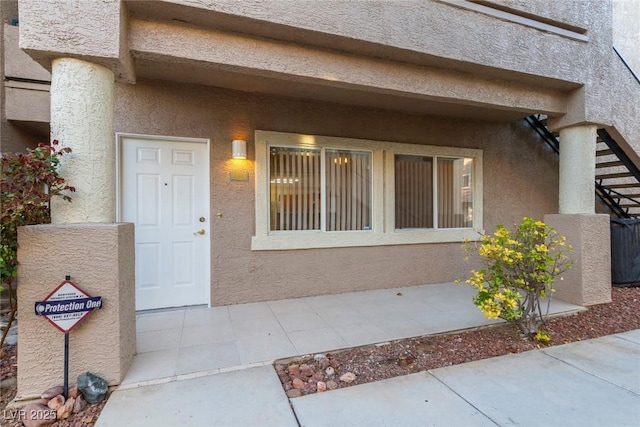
322 149
436 159
383 230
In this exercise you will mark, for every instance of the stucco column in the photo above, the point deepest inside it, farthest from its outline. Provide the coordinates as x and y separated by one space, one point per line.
577 170
588 282
82 102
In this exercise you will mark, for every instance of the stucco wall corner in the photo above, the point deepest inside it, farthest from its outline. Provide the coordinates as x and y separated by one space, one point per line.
588 281
592 103
91 31
127 295
99 259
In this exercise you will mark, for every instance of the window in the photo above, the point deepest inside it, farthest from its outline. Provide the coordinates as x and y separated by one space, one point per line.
298 199
413 191
424 199
315 191
294 189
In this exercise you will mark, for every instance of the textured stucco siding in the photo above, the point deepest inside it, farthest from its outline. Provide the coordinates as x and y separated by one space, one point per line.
588 281
626 31
626 105
569 12
425 27
16 62
513 160
29 105
93 31
437 34
267 58
82 118
71 27
100 260
12 138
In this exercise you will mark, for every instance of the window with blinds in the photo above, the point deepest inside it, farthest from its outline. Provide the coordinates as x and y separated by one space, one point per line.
413 191
428 196
319 189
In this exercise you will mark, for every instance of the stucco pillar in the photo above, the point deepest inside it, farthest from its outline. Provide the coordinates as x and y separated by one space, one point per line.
588 281
577 170
82 102
100 260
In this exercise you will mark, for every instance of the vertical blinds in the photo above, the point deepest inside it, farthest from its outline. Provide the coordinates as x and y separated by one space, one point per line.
330 190
450 193
295 189
415 189
348 190
296 196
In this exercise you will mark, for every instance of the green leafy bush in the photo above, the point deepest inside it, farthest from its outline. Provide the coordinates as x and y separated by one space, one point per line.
520 268
28 181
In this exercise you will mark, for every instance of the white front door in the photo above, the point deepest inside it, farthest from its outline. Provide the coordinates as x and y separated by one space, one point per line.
165 193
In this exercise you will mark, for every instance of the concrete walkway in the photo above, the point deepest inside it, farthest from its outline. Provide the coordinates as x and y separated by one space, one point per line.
173 344
594 382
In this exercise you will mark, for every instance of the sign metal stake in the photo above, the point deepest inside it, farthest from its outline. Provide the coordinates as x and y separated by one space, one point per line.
65 391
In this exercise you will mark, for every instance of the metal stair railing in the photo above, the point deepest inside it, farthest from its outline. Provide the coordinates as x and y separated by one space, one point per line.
633 171
609 196
626 64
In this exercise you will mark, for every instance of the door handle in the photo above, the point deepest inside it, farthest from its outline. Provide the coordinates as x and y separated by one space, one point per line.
200 232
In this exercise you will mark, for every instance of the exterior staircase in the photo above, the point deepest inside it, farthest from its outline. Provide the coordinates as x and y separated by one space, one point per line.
617 179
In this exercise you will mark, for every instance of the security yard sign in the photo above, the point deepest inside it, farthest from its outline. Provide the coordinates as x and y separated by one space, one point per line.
67 305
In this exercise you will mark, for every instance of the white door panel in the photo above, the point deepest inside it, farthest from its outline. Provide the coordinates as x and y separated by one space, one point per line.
164 192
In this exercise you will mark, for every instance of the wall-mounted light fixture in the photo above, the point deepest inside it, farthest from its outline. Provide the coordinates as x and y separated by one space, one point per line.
239 149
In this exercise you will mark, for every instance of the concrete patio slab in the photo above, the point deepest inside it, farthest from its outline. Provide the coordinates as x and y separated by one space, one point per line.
152 366
250 397
237 335
413 400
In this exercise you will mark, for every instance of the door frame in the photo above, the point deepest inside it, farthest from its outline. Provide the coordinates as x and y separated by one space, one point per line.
119 140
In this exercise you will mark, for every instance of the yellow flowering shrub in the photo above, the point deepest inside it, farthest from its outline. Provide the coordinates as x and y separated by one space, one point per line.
520 268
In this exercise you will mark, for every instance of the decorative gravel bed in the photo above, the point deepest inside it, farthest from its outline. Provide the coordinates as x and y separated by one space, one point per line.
10 418
308 374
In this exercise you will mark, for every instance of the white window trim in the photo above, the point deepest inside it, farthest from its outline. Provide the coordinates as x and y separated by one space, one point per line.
383 212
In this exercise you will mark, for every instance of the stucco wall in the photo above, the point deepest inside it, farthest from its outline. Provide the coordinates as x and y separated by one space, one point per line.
521 178
18 63
588 281
626 31
418 27
521 57
15 139
12 138
99 259
626 96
